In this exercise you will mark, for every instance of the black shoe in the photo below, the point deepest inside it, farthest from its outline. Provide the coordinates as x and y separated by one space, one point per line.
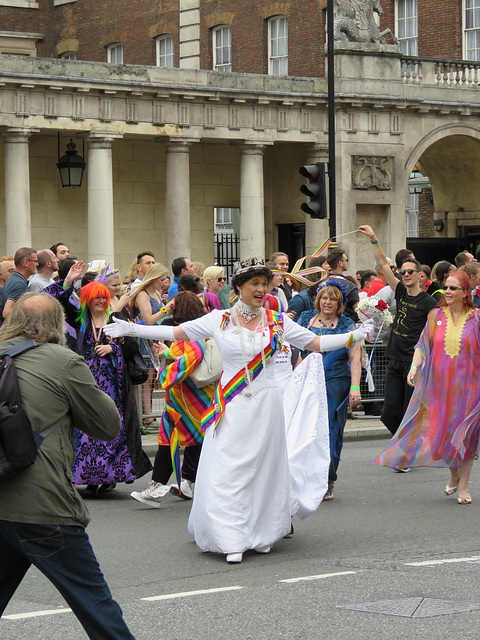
92 489
108 486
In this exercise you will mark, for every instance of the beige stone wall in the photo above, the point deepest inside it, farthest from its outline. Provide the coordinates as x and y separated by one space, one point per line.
139 196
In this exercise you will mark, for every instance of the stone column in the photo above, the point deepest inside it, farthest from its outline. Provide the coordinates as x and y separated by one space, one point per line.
101 245
18 225
177 201
316 231
252 215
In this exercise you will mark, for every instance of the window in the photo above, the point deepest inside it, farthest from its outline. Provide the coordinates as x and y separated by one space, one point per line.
412 215
115 53
407 26
164 51
19 43
69 55
222 48
223 221
278 46
472 30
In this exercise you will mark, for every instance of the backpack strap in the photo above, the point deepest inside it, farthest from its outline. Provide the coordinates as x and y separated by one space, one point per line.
19 348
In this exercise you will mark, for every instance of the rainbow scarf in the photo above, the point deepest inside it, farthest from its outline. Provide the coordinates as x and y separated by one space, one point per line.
224 394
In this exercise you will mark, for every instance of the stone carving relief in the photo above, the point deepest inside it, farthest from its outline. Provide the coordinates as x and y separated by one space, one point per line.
354 21
372 172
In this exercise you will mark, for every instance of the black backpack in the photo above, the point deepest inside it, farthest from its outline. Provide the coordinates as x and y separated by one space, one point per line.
18 442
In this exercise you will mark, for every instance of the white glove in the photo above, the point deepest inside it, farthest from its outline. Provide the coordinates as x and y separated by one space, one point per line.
363 330
155 332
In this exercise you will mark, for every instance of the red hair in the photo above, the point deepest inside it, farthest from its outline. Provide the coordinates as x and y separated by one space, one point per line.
94 290
464 281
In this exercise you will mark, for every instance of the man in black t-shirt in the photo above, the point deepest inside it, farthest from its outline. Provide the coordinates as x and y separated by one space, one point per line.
413 307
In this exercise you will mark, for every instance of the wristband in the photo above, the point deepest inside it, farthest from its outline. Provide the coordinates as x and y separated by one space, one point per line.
373 242
413 367
164 310
355 388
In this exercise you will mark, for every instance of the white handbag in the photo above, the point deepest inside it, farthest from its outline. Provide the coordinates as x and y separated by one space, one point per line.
210 368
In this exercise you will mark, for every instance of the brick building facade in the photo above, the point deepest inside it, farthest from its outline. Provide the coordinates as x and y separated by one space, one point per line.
229 81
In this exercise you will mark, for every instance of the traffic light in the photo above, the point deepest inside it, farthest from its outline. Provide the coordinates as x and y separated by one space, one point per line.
315 190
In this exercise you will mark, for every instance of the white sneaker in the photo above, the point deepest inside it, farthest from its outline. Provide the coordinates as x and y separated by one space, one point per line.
152 495
186 490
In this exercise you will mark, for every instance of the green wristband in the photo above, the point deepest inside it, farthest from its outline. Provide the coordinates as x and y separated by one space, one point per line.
374 242
355 388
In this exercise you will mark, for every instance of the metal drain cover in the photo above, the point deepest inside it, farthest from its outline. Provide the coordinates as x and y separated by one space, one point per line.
413 607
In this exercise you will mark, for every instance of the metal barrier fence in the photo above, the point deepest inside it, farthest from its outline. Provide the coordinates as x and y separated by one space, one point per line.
156 397
379 371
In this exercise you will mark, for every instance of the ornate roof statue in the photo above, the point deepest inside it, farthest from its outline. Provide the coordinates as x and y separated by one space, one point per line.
354 22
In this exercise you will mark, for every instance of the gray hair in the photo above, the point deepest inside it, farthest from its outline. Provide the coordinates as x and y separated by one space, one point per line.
36 316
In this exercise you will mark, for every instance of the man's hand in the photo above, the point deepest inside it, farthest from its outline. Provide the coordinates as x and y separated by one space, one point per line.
74 274
367 230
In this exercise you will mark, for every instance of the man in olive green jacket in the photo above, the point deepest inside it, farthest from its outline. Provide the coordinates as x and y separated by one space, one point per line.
42 516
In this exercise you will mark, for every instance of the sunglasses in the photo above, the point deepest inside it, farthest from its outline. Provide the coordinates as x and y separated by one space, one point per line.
221 279
404 272
452 287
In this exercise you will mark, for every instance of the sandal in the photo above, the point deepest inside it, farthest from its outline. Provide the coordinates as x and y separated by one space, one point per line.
148 428
449 491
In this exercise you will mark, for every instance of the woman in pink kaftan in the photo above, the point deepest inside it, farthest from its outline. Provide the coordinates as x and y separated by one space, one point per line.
441 427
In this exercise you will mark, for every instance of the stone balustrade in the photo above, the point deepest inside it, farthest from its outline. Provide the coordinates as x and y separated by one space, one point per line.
443 73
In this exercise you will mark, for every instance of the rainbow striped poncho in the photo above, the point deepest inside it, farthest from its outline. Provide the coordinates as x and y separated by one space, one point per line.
184 403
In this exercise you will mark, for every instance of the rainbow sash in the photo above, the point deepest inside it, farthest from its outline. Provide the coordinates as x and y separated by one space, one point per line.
223 395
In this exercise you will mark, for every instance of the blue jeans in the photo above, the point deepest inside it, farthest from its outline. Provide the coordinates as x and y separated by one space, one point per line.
63 553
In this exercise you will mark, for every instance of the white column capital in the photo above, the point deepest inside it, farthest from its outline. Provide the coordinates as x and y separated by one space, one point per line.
177 145
253 148
19 134
103 139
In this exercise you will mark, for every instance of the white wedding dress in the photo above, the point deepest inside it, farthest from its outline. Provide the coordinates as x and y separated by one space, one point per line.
243 491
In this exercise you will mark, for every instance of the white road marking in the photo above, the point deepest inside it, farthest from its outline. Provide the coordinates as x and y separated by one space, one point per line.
320 577
431 563
35 614
186 594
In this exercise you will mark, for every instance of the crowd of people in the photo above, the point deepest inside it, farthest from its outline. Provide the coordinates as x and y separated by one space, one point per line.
290 353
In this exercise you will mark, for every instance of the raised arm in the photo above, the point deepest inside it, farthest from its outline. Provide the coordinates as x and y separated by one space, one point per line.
339 340
379 255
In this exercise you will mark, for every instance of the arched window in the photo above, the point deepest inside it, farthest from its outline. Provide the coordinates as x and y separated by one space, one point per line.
115 53
278 46
222 48
164 51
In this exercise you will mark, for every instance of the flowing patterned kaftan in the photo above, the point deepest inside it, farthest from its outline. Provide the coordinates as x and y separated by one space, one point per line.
441 426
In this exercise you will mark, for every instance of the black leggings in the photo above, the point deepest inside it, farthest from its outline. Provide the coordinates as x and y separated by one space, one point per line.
163 468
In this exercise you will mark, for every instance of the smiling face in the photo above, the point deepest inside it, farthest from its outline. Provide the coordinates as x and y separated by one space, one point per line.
98 304
215 284
455 294
253 291
409 279
328 305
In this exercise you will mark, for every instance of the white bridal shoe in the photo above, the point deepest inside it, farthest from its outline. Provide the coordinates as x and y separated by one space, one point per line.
234 558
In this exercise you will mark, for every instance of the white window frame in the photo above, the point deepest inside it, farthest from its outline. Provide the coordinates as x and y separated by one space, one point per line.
222 48
412 215
471 53
164 51
21 4
406 26
278 46
69 55
115 53
223 219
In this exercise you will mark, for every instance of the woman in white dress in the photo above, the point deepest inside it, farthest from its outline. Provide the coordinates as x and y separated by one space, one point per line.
242 496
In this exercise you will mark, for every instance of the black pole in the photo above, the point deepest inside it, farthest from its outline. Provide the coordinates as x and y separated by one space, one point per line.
331 122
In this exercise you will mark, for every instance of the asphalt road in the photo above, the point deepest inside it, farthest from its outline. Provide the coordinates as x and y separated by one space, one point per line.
391 544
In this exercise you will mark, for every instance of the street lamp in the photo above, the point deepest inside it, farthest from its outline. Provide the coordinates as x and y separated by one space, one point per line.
417 182
71 165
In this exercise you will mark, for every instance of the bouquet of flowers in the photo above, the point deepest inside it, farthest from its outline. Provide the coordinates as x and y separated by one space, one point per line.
377 310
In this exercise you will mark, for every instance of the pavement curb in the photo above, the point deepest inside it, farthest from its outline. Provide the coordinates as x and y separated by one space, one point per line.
356 430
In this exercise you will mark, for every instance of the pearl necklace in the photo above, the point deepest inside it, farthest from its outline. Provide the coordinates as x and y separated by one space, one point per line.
248 374
246 311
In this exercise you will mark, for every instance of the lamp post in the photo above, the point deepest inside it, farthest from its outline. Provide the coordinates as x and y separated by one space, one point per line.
71 165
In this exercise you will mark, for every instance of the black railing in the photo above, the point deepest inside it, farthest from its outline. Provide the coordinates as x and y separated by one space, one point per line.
227 251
